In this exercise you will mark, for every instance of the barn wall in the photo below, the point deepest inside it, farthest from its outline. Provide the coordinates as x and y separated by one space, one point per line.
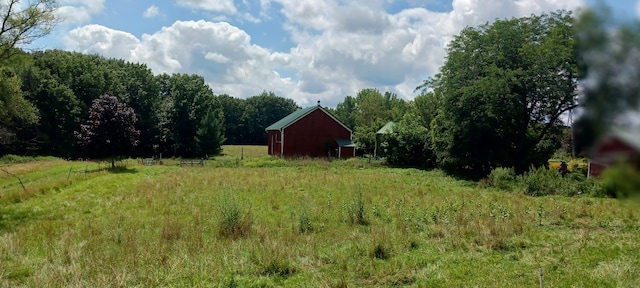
274 142
309 135
347 152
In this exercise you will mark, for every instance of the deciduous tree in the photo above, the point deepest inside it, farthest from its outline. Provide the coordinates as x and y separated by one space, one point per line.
23 21
503 89
109 130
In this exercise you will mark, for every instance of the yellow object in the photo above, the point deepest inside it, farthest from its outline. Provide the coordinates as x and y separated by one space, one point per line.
580 163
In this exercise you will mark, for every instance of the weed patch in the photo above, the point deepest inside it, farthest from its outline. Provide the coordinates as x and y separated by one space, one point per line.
355 210
234 220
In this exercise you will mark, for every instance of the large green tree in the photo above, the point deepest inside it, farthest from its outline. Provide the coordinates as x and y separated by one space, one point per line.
58 110
15 111
503 89
370 115
260 112
192 116
346 110
233 109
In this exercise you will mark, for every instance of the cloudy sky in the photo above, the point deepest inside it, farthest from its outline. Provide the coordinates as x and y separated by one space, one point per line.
306 50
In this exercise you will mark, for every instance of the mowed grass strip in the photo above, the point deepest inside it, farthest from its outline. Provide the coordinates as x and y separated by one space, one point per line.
311 223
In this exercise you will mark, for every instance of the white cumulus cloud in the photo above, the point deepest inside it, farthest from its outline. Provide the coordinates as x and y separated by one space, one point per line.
339 47
225 6
79 11
222 53
151 12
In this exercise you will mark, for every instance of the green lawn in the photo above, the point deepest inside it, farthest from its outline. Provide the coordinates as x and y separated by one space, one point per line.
304 223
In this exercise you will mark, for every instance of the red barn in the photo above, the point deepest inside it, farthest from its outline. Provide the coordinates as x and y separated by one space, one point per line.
616 146
310 132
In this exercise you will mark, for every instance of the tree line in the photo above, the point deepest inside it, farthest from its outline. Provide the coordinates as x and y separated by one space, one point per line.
48 96
507 93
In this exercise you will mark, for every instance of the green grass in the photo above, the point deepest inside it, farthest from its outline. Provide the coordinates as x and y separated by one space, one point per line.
308 223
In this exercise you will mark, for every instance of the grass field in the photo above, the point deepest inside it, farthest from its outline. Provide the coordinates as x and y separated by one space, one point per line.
263 222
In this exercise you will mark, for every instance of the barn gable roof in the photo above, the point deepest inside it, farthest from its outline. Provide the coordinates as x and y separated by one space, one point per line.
297 115
630 137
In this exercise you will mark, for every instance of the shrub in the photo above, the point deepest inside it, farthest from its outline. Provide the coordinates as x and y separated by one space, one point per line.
409 145
233 223
621 181
15 159
540 181
502 178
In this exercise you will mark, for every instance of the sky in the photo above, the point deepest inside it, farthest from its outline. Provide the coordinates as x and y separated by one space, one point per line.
306 50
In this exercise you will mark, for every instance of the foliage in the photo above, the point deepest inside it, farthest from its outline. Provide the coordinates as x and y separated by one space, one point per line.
502 178
109 129
59 112
541 182
621 180
13 159
501 93
15 110
23 22
346 112
233 110
409 144
193 116
369 117
246 119
209 135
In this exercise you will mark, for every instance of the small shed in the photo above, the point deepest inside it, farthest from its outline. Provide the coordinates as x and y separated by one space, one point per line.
311 131
618 145
385 130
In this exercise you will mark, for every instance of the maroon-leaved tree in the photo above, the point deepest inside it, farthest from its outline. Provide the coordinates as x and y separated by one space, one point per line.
109 129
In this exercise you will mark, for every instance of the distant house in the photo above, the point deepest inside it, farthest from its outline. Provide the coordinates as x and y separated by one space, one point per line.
310 132
619 145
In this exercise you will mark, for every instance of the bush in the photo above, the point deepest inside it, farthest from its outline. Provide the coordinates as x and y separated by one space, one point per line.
409 145
621 181
502 178
540 181
15 159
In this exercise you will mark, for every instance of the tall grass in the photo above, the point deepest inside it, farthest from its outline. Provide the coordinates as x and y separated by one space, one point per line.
302 225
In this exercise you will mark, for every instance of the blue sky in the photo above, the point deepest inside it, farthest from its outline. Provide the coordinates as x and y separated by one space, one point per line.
307 50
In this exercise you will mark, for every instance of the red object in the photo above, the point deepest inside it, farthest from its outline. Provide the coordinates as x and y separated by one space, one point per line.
310 132
620 146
